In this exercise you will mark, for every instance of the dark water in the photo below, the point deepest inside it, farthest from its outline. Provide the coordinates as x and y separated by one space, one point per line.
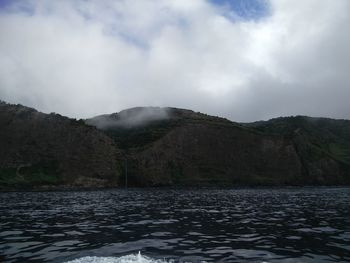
240 225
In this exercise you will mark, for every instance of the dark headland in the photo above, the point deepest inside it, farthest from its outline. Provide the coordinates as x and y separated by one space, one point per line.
168 147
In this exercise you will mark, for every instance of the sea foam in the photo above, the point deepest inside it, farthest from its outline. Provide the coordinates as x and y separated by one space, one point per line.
133 258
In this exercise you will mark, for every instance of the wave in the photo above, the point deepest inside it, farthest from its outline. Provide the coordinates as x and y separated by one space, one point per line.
133 258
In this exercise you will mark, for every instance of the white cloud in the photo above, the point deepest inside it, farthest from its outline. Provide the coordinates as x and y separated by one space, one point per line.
82 58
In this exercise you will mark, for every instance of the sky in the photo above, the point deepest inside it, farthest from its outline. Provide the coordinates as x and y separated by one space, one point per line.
245 60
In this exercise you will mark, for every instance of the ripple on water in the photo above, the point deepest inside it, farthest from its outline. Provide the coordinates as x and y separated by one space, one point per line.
232 225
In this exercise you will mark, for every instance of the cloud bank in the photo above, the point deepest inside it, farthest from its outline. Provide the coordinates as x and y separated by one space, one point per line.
84 58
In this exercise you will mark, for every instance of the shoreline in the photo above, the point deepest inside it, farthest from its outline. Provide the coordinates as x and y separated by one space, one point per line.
94 189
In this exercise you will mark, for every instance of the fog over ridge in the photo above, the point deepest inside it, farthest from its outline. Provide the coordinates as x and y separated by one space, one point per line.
130 118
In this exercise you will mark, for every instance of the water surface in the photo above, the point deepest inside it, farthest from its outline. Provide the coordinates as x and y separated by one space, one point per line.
188 225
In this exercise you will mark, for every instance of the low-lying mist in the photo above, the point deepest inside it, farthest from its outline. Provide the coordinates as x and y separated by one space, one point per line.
130 118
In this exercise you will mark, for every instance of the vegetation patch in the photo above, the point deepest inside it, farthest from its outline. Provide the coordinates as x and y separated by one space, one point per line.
44 173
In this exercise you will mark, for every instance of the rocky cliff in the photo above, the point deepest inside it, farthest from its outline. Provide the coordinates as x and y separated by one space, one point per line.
48 150
187 148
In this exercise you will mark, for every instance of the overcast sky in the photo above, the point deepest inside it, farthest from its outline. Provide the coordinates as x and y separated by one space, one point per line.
242 59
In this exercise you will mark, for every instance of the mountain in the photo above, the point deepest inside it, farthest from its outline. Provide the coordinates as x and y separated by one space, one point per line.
181 147
48 150
168 147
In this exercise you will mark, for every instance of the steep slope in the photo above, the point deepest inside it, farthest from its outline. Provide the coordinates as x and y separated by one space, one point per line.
214 153
38 149
187 148
323 144
329 135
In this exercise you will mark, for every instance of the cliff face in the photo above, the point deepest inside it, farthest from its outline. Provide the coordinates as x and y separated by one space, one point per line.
39 149
203 154
323 145
188 148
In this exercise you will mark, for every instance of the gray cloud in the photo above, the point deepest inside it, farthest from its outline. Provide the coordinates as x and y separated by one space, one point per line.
84 58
